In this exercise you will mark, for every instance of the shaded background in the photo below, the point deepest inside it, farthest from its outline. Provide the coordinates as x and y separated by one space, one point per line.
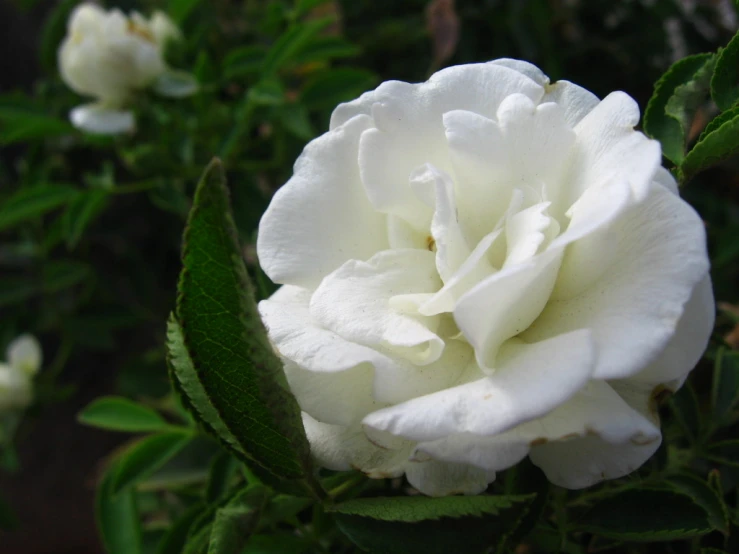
117 337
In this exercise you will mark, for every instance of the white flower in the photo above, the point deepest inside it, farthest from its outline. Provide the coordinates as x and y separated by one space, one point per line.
110 57
16 376
482 267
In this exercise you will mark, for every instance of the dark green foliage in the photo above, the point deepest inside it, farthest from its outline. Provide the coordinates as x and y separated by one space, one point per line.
430 525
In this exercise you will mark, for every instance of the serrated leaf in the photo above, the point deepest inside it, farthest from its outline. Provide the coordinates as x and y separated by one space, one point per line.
725 385
716 146
235 522
80 212
227 345
684 406
117 517
291 43
115 413
689 96
719 120
645 515
724 452
725 82
662 126
703 495
418 524
146 456
331 87
32 202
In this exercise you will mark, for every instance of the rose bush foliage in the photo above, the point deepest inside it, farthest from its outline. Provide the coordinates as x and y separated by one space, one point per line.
479 268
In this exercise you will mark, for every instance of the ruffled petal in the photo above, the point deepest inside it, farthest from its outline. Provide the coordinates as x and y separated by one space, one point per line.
641 271
321 217
505 304
608 149
366 288
532 380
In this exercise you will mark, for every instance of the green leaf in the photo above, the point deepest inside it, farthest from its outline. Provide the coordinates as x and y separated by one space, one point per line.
176 84
268 92
146 456
718 145
178 10
232 360
174 540
304 6
80 212
8 519
115 413
117 517
719 120
725 82
32 202
684 405
222 470
53 32
334 86
62 274
664 126
294 117
291 43
246 60
724 452
704 496
278 542
235 522
725 385
322 49
24 125
418 524
645 515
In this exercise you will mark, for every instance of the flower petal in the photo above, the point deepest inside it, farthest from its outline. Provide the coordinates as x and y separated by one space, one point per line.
342 448
641 270
321 217
575 101
24 353
99 119
583 462
687 345
608 149
434 478
532 380
505 304
366 288
409 126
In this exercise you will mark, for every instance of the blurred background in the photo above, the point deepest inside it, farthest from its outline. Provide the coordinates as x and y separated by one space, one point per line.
90 265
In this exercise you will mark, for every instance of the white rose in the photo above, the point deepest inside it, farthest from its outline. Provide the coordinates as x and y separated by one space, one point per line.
109 56
482 267
16 376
